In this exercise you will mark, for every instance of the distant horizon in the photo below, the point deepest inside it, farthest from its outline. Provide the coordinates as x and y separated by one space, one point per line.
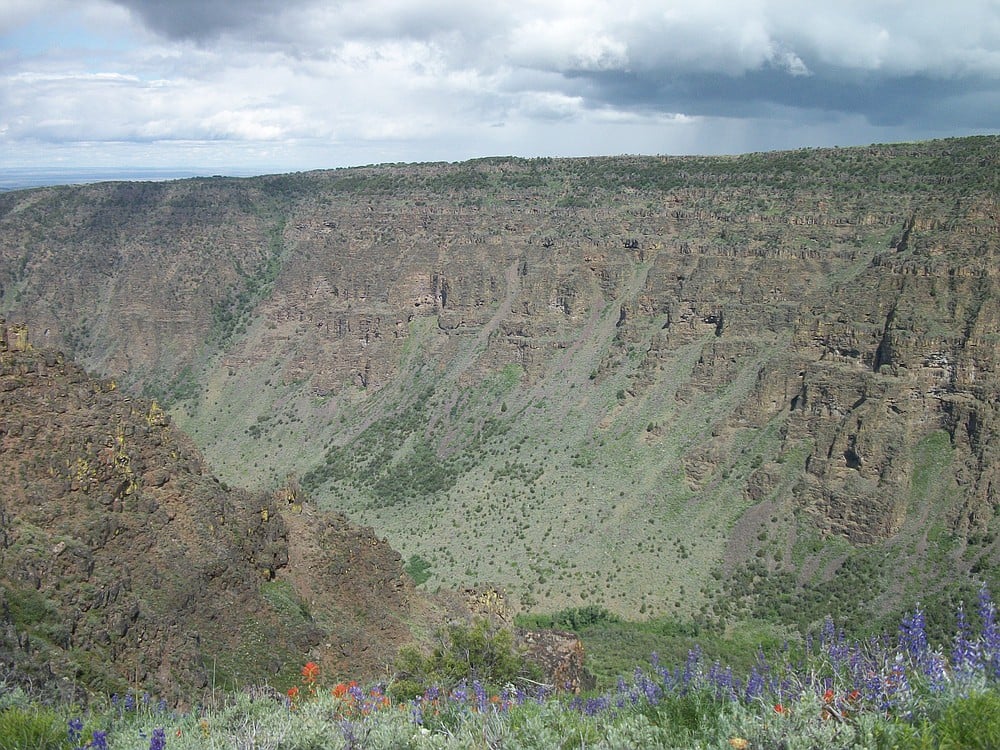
24 178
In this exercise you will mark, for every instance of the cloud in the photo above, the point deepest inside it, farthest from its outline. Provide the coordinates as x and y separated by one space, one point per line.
204 19
448 78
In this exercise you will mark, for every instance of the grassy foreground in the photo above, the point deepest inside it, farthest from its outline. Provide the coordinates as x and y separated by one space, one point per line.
885 692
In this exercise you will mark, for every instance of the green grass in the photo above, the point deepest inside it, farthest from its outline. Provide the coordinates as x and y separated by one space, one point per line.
32 728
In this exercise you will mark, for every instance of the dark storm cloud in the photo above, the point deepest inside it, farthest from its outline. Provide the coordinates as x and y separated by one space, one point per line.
882 100
204 19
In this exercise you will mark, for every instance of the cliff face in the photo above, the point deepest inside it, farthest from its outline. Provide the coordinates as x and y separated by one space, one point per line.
123 561
905 349
611 374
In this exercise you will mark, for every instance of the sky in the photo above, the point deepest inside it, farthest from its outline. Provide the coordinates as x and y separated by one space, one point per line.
257 86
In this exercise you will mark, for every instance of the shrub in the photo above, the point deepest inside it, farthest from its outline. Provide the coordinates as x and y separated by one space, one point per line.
418 569
463 654
971 722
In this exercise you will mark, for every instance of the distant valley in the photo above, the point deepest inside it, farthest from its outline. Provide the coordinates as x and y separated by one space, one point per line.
716 388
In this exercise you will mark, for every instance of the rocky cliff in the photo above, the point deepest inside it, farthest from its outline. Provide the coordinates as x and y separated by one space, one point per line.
124 562
590 380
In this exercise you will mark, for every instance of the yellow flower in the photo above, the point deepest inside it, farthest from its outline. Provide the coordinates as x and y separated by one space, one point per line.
739 743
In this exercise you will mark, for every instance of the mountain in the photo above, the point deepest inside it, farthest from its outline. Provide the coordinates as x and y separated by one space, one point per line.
718 387
125 563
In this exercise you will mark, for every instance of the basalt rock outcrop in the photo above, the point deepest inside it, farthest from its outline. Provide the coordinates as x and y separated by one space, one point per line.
124 562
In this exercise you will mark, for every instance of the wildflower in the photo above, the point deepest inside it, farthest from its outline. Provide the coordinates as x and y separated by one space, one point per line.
351 739
293 693
692 668
595 706
310 672
722 679
755 685
913 635
780 709
934 671
355 691
828 696
739 743
75 730
159 740
990 634
965 655
339 690
98 741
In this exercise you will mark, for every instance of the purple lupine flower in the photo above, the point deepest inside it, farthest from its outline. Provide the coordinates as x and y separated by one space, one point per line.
729 684
692 669
989 637
129 702
965 654
755 685
75 730
828 633
838 650
98 741
507 694
158 740
355 691
417 713
667 678
871 686
650 689
482 700
933 669
913 635
894 687
595 706
351 740
722 680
